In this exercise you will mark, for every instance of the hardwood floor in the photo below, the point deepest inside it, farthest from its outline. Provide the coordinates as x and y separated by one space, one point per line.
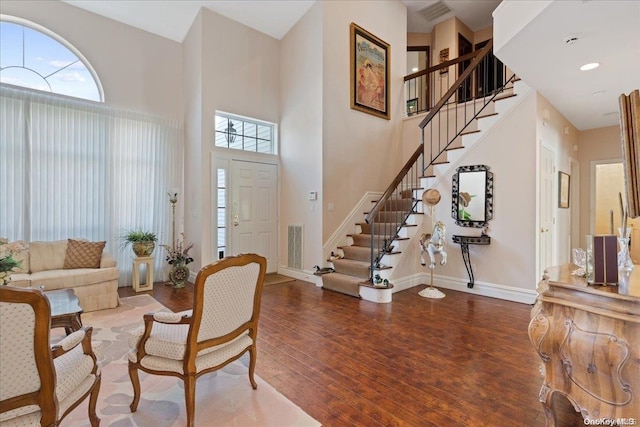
463 360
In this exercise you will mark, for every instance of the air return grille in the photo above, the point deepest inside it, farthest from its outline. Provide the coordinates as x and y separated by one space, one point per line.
294 240
435 11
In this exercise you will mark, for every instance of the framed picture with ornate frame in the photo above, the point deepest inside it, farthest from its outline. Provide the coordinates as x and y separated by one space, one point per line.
563 189
370 58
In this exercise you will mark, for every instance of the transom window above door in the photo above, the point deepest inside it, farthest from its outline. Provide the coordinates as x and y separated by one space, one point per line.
243 133
34 57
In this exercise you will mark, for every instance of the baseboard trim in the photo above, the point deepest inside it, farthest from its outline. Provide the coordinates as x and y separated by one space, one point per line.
485 289
492 290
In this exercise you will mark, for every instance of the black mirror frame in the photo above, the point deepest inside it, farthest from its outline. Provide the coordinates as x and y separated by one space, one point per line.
488 187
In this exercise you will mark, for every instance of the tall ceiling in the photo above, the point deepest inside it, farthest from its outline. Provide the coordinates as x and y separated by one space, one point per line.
608 31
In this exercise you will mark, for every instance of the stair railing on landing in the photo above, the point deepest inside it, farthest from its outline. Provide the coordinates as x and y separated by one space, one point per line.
443 125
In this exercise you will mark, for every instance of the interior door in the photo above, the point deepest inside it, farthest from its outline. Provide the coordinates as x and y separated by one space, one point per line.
547 172
254 222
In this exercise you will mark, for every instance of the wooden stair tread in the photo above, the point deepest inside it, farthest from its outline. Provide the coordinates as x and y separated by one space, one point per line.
499 98
469 132
455 148
486 115
405 225
368 284
397 238
412 213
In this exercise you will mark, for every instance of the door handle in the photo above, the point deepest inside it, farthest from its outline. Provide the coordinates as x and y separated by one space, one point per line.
236 222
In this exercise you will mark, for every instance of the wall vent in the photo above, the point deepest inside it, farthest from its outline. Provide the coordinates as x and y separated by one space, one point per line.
294 243
435 11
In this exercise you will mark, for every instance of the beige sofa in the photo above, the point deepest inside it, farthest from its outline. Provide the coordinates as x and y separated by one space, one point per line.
43 263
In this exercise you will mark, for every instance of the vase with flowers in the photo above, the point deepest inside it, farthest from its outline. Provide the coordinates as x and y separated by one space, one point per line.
7 261
178 257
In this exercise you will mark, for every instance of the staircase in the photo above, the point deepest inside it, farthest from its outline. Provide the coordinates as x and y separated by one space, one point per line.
376 246
353 269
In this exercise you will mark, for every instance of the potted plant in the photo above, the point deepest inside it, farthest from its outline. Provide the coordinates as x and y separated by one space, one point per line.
142 242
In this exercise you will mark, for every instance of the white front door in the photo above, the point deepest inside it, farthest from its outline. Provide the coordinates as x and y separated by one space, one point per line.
254 210
547 181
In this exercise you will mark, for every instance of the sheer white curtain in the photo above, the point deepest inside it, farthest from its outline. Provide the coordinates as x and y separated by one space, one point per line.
76 169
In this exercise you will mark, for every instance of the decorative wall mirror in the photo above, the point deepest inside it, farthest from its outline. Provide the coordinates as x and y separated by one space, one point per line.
472 196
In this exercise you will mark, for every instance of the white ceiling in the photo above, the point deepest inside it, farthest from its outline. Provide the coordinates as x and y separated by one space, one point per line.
173 18
608 32
476 14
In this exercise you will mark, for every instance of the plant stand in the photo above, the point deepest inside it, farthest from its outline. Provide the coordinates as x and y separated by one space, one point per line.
148 262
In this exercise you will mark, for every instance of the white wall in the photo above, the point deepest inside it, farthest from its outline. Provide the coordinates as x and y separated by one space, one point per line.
190 194
360 152
139 71
509 150
240 73
301 135
557 133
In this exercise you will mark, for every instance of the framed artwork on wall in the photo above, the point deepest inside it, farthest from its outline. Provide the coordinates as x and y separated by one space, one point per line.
370 58
563 190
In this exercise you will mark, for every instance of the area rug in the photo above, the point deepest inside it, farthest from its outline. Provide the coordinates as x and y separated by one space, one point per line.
275 279
223 398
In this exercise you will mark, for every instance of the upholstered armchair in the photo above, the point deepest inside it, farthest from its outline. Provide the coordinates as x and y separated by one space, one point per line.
222 326
39 384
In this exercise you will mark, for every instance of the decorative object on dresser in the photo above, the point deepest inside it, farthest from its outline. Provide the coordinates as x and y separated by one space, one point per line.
588 338
602 259
630 132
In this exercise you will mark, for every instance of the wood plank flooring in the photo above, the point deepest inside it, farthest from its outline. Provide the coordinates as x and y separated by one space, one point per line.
463 360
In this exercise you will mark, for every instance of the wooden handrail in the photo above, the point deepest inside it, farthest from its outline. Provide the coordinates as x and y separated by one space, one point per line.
454 87
397 180
442 65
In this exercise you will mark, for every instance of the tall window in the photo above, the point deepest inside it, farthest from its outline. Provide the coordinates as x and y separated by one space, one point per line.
222 212
32 56
241 133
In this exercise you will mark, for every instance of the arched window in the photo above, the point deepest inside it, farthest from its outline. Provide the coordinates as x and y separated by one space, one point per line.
34 57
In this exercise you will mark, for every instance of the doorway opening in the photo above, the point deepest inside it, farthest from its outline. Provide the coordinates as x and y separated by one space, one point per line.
609 184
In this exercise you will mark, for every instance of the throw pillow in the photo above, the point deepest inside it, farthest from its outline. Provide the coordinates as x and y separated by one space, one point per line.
83 254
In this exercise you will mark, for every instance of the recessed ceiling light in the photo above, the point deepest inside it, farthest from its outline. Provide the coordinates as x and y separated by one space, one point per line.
598 93
414 69
570 39
590 66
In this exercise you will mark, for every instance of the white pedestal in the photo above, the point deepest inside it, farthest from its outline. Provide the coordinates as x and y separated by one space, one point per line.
148 285
379 295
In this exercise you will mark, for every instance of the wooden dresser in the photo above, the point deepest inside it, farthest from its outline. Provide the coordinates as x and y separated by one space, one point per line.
588 337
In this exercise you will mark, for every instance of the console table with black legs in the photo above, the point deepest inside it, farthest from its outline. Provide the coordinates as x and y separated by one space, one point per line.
464 242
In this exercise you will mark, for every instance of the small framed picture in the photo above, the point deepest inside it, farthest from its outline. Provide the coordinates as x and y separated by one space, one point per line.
412 106
563 189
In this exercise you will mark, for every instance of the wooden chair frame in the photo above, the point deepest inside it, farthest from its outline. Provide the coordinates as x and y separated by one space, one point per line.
190 374
46 397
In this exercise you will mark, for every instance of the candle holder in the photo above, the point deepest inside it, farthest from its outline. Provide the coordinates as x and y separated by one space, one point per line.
173 199
624 258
